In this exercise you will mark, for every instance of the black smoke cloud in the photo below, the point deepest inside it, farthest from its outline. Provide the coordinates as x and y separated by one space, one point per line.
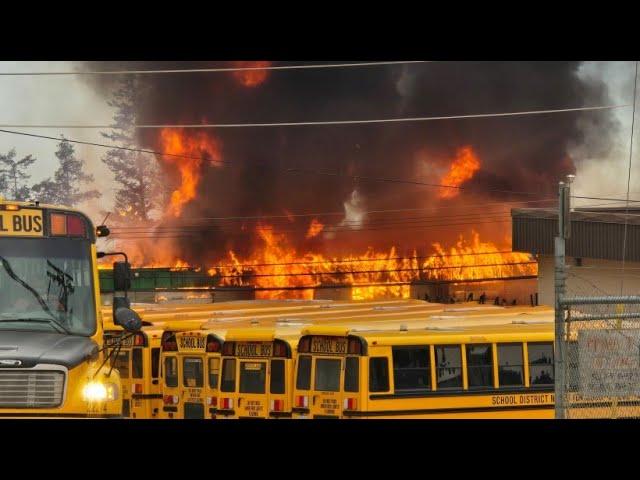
529 153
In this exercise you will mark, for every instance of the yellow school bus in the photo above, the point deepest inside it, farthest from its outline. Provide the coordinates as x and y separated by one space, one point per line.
257 374
138 361
50 316
475 371
185 392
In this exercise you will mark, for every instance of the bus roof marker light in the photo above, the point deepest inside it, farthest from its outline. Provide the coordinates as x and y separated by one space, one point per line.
58 224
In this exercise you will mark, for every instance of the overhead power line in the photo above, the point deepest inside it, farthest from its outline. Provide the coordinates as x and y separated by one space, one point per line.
365 260
212 70
332 122
287 170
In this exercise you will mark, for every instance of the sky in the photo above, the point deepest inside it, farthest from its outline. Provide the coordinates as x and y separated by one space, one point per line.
70 99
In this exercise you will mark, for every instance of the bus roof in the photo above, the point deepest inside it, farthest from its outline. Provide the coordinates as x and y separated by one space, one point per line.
469 334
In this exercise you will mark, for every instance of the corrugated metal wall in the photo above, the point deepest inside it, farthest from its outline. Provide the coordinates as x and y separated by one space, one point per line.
588 239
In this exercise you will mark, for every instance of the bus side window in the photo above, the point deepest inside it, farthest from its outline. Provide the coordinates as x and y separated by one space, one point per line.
541 362
352 374
449 366
411 368
171 371
378 374
303 382
228 382
277 377
510 364
214 371
480 365
136 363
155 362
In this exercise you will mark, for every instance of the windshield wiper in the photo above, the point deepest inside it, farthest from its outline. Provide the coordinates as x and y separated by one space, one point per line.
50 321
43 304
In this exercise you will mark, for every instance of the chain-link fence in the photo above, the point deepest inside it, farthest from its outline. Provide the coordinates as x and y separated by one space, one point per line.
599 358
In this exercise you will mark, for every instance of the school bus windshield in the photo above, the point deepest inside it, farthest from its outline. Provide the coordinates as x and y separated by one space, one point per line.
46 284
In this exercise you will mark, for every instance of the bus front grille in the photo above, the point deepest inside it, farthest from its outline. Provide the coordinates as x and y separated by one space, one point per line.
31 388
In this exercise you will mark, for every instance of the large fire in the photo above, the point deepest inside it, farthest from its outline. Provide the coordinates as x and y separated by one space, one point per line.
277 265
278 269
251 78
461 170
195 148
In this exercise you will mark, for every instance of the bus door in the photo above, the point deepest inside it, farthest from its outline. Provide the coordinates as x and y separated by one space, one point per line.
212 358
122 363
146 391
155 389
170 376
244 389
328 376
191 346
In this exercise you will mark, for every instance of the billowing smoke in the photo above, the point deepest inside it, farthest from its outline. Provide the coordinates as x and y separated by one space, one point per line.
524 153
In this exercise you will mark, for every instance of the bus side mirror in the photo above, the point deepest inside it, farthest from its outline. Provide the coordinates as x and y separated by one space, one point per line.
121 276
127 319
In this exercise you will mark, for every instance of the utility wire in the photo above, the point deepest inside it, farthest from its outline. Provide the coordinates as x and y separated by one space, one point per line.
369 212
211 70
626 219
334 122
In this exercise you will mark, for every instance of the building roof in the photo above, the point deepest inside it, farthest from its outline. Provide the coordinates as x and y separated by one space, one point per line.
595 233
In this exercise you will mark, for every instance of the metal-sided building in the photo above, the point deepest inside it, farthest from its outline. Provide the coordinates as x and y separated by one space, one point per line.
594 252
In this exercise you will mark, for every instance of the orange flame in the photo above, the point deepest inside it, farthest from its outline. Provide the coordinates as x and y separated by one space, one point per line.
251 78
195 148
277 265
314 228
462 169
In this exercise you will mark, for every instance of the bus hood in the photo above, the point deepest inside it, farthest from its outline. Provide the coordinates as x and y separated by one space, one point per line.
32 348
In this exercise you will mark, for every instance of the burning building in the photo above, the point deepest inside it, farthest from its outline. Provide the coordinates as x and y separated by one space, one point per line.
375 207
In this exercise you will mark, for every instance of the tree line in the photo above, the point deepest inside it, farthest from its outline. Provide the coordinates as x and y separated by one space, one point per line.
137 175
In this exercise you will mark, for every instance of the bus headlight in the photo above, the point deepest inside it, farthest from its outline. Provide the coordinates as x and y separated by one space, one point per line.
99 392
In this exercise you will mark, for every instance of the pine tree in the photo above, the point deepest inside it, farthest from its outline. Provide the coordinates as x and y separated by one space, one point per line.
64 188
137 173
14 175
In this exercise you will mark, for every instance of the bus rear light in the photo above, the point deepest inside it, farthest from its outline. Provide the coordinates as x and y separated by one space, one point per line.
350 404
75 226
71 225
212 401
170 399
302 401
277 405
226 403
137 388
138 340
303 345
168 342
355 347
227 348
58 224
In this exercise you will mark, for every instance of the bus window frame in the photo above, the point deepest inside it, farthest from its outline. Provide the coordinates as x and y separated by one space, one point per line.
452 390
135 351
173 358
309 357
387 376
284 376
185 358
429 368
522 369
355 359
492 369
232 361
217 370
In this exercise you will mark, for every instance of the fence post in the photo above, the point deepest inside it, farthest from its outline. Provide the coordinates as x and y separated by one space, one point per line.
564 231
